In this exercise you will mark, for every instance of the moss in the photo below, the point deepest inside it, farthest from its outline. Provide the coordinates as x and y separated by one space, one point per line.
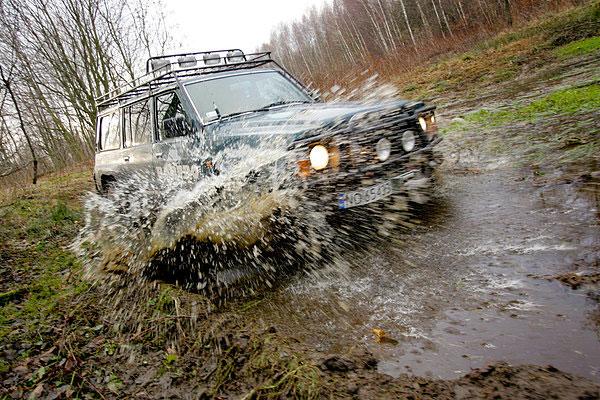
578 48
566 101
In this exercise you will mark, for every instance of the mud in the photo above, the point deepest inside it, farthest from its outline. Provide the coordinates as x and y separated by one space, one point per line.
576 280
460 292
503 266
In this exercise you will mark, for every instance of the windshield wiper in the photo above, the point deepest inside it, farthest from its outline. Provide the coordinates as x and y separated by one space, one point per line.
267 107
281 103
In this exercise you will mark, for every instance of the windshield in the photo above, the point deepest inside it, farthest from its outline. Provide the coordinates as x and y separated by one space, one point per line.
230 95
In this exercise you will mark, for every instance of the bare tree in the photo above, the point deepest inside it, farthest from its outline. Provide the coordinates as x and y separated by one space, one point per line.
6 79
65 54
353 35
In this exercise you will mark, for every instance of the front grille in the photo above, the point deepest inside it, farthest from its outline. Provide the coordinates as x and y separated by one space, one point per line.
357 150
353 154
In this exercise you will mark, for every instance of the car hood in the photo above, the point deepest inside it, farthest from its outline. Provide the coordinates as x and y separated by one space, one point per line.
299 120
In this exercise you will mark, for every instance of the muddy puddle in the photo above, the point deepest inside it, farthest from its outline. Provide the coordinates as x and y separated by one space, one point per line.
465 289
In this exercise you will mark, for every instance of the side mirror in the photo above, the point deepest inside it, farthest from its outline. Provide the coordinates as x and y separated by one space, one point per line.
175 127
212 116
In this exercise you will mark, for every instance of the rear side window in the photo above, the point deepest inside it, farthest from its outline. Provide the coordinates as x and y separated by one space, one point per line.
110 132
171 117
138 123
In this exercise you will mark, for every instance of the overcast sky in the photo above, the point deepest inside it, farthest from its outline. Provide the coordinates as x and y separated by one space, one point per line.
222 24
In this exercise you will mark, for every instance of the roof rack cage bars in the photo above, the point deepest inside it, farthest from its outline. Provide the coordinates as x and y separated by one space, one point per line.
230 56
165 70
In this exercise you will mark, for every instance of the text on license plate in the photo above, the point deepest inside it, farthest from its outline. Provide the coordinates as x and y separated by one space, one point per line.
365 195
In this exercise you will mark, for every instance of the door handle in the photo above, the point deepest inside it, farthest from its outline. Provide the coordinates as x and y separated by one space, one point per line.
158 155
126 158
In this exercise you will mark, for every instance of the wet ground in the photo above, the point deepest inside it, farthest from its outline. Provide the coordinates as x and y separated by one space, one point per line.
504 266
469 287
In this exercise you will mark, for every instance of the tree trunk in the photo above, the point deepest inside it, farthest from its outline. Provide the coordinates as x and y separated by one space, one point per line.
508 12
7 85
438 18
412 37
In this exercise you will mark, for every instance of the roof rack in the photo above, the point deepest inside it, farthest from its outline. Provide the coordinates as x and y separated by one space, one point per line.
165 70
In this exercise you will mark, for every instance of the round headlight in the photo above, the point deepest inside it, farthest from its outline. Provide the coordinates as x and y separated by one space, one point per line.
384 148
319 157
408 141
423 123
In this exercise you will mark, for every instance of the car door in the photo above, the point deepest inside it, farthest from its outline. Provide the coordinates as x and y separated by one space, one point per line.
138 135
177 147
109 159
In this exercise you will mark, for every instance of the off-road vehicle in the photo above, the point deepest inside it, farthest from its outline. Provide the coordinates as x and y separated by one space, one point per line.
346 154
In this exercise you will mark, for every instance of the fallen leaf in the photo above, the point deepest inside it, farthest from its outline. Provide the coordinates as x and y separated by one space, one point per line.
382 337
379 333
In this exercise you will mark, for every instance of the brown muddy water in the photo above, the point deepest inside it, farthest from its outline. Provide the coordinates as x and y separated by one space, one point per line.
467 288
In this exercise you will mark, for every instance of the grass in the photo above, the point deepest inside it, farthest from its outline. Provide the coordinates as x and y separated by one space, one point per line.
54 307
477 67
557 129
300 381
578 48
42 302
35 231
566 101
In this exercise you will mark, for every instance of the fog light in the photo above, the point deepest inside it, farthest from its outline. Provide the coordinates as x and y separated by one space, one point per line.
384 148
408 141
319 157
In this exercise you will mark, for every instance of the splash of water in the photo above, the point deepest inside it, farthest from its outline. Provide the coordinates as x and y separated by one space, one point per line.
248 227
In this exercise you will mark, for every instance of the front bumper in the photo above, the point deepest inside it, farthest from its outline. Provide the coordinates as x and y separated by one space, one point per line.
410 176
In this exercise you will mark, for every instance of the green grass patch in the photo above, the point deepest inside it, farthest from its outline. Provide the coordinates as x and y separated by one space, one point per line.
35 234
578 48
566 101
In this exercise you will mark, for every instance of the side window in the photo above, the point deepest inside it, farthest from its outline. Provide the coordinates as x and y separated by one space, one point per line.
110 132
138 123
171 117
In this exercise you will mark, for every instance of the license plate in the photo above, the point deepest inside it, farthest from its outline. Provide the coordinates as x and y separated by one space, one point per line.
365 195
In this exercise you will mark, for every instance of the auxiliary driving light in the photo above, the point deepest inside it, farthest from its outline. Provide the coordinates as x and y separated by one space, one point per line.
384 148
423 124
408 141
319 157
